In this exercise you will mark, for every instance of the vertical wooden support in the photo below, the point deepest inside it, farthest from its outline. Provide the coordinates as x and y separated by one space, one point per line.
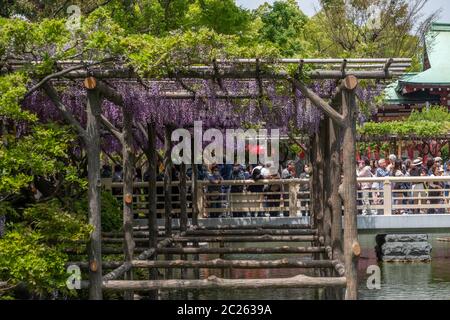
352 248
312 184
195 209
168 189
128 179
183 199
327 183
152 199
94 188
183 210
332 201
293 199
168 180
335 201
200 202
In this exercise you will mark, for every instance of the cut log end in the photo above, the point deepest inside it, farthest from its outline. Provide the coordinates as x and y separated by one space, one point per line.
90 83
350 82
356 249
93 266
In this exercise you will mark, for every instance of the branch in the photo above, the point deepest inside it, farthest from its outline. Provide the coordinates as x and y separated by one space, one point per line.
111 128
141 128
318 102
110 94
62 73
68 116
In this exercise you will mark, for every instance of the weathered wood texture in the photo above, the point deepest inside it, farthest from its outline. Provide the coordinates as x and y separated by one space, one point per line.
239 264
230 239
349 185
93 111
213 282
231 250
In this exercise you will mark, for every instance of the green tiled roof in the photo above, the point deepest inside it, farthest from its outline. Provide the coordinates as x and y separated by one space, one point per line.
393 97
437 43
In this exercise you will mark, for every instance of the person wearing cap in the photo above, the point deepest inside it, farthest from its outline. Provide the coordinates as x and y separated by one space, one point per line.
418 188
265 171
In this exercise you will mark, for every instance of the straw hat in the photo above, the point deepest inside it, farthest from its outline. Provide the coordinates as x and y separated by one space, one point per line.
417 162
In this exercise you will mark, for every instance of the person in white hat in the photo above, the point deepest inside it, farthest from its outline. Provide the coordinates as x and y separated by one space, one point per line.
418 188
438 162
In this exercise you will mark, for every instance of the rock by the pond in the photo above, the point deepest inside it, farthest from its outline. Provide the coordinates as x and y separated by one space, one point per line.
403 248
406 238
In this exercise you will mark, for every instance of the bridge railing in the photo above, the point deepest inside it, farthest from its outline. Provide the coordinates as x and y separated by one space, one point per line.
291 198
227 199
404 195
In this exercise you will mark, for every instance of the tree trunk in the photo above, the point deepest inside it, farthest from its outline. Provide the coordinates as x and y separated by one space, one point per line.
351 245
168 188
128 178
152 199
93 154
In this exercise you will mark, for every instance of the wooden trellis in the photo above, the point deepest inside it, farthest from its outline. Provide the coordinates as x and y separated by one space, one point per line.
335 254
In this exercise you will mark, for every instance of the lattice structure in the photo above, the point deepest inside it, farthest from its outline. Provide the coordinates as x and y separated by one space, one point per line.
334 254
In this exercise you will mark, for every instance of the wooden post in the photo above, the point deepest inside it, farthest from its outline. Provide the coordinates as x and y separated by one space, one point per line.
168 188
195 209
183 210
168 180
152 199
128 178
335 201
200 202
183 199
293 200
351 245
94 188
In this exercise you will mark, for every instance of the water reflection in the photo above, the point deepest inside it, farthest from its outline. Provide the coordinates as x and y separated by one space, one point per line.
422 281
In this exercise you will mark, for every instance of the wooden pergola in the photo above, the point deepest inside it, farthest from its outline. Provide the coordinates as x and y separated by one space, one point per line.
335 252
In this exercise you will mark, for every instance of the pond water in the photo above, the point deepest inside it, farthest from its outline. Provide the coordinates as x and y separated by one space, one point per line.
416 281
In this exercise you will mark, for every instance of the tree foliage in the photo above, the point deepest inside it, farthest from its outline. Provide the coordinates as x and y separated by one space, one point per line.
429 123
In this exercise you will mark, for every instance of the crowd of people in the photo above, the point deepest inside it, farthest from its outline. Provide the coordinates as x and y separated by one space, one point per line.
222 196
404 193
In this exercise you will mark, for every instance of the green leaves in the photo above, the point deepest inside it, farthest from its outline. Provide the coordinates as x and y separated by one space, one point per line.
427 124
12 89
43 153
24 258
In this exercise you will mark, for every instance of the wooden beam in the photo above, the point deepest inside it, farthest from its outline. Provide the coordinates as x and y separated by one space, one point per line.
229 239
248 250
238 264
213 282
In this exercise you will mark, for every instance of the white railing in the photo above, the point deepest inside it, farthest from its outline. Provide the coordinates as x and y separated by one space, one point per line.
404 195
376 196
